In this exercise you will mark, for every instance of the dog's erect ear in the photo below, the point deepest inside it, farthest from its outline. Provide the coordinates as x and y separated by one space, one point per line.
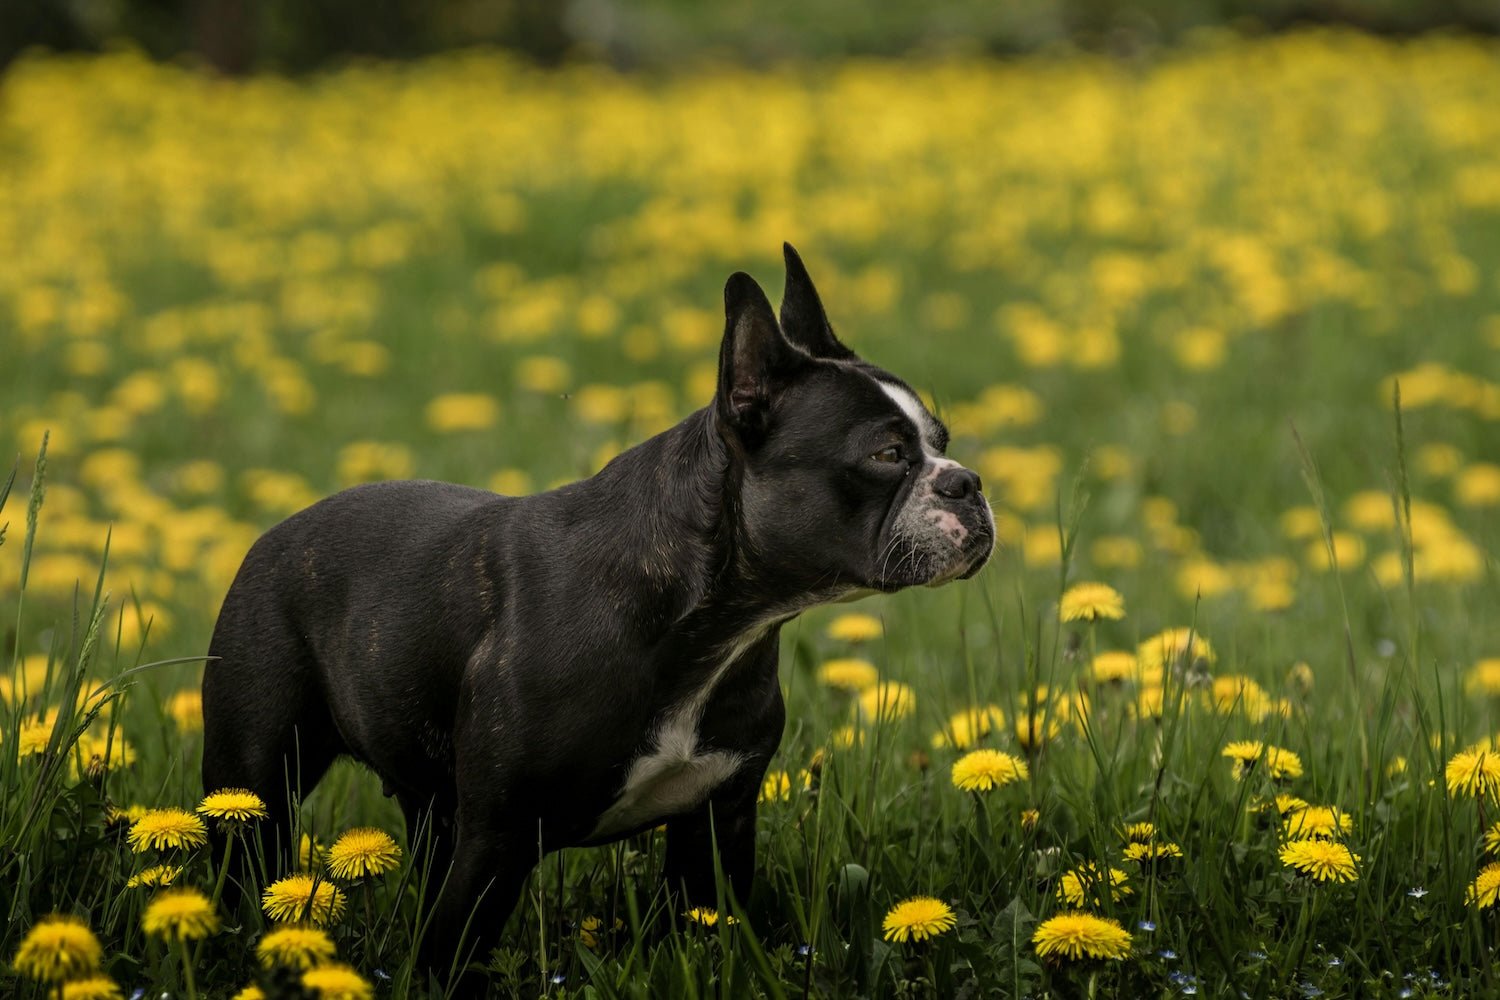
802 315
753 357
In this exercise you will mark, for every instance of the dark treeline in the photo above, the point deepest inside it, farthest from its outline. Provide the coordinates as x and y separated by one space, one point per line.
236 36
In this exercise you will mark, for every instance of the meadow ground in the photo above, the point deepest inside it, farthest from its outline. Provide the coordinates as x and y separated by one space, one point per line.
1130 288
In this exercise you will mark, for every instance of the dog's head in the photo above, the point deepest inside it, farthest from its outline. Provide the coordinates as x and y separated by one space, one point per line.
844 481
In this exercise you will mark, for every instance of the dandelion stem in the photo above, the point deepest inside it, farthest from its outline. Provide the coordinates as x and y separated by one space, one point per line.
219 882
224 868
369 934
187 968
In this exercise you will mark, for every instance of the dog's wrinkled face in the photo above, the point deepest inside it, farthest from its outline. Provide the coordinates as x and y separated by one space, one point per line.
845 485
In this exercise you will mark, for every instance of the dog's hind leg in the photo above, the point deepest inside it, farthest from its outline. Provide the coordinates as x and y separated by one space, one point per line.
266 727
430 832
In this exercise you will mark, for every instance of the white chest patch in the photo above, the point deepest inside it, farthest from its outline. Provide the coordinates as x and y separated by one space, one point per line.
673 778
677 775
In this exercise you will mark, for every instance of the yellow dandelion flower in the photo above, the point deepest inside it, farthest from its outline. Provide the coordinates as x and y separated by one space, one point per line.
708 916
1149 702
1283 805
1144 852
1036 729
1030 818
1278 763
847 736
1168 648
1321 860
58 948
849 673
462 411
887 702
336 982
1475 772
969 726
251 992
160 829
589 930
1080 887
1233 692
1478 485
1396 767
1138 832
1114 666
363 851
1081 935
311 853
184 914
155 877
1492 839
92 988
300 897
35 734
295 947
186 709
1301 677
1485 889
777 787
855 628
1090 602
983 770
917 919
93 755
125 815
233 805
1327 822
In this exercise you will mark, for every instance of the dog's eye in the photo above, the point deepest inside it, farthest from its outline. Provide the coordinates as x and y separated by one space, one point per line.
891 454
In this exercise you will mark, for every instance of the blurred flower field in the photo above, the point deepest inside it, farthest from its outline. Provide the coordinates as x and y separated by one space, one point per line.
1164 308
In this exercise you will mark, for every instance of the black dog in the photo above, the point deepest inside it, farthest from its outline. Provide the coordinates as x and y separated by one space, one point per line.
531 673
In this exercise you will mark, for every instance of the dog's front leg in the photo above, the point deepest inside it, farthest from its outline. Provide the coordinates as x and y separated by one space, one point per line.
488 872
725 822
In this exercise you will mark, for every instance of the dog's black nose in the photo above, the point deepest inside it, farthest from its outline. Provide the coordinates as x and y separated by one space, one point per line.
957 483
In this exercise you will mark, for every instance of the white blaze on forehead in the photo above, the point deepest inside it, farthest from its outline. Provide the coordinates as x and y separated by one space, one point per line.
910 405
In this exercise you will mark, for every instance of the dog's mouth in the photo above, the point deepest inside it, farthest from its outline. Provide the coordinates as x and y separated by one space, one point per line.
926 568
975 555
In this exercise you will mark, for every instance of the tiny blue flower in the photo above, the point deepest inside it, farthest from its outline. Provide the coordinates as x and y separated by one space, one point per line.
1187 985
558 979
1259 956
1309 990
804 950
1147 925
1417 892
1334 961
1167 954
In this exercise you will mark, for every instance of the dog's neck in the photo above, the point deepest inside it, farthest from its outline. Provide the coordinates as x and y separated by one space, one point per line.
685 548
